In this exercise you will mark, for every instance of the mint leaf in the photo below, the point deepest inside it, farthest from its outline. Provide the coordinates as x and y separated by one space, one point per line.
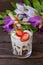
35 29
28 27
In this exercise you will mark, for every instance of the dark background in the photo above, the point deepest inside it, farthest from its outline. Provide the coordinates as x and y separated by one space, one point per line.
6 56
5 4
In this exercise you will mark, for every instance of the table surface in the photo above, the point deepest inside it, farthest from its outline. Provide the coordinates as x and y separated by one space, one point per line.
6 55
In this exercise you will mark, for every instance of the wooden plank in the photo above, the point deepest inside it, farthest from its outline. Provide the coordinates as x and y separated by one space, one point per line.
5 51
21 62
5 45
8 54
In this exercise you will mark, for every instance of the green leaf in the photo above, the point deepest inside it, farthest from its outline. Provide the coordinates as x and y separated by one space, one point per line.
27 2
41 1
3 15
13 4
9 11
1 22
29 26
36 5
35 29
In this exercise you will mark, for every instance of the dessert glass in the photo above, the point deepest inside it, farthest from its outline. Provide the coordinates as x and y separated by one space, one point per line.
21 49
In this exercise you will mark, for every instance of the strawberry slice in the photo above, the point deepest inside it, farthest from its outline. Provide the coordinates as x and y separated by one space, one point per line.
19 33
25 36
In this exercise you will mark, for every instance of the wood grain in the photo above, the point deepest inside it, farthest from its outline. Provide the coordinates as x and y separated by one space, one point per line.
21 62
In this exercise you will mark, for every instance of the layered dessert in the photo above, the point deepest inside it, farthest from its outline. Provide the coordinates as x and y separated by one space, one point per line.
21 42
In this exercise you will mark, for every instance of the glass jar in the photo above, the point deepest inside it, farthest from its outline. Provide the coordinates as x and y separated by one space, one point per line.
21 49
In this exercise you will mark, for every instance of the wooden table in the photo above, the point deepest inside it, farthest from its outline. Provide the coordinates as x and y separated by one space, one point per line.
6 55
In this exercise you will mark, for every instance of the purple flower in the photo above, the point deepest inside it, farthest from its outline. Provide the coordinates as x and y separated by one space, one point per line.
41 30
7 19
8 24
21 3
35 21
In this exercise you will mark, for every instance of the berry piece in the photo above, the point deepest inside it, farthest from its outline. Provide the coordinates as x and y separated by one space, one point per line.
25 36
19 33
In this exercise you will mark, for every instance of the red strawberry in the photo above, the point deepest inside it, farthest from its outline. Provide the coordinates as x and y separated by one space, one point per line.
25 36
19 32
